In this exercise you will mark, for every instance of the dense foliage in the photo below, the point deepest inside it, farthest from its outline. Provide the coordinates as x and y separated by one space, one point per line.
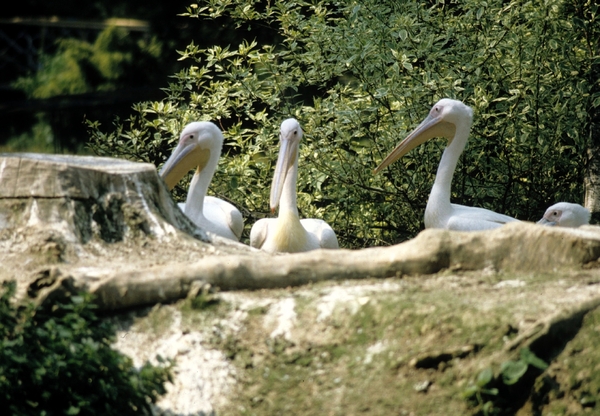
114 60
359 76
59 361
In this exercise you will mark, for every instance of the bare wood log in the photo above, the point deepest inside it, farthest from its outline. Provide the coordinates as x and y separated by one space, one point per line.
63 209
515 247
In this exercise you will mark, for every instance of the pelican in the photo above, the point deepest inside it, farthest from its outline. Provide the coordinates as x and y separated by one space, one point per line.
288 233
452 120
200 147
566 214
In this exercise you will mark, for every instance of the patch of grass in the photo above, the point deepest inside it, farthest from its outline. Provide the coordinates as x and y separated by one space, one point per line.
201 310
367 362
572 383
204 301
258 311
157 321
333 376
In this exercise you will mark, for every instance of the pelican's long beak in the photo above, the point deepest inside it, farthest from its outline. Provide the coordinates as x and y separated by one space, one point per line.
286 159
544 221
432 126
185 157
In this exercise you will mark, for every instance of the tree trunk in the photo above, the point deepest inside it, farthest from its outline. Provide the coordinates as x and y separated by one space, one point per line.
592 174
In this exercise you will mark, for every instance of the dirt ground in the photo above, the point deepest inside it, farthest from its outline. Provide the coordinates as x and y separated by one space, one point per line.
450 343
417 345
456 342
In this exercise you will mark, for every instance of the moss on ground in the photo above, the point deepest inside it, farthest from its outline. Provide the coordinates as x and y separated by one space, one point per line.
414 348
406 352
571 385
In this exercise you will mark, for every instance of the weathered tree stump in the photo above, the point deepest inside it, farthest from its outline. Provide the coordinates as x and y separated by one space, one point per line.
60 209
87 197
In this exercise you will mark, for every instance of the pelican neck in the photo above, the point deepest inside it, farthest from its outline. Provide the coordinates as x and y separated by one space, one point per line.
288 202
442 185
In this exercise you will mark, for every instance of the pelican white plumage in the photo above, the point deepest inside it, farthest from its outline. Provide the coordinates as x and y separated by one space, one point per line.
199 147
566 214
452 120
288 233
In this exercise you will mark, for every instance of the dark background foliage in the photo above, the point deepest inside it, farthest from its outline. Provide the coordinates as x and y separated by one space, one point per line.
72 71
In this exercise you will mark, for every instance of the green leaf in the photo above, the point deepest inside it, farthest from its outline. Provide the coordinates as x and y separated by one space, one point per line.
480 12
484 377
530 358
470 391
492 392
488 407
512 371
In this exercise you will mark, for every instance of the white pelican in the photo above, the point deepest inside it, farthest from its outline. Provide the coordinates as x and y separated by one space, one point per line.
199 147
452 120
288 233
566 214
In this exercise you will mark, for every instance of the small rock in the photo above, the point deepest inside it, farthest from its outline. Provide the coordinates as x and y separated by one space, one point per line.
422 386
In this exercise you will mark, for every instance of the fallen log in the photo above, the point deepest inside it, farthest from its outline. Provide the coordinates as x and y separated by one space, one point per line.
518 247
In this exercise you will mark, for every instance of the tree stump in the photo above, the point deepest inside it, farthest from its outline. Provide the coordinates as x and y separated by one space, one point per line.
62 209
87 197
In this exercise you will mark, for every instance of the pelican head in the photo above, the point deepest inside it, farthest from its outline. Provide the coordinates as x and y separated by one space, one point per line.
290 135
566 214
199 147
442 121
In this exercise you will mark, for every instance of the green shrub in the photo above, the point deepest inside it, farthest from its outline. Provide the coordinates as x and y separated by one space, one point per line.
359 76
492 394
58 360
